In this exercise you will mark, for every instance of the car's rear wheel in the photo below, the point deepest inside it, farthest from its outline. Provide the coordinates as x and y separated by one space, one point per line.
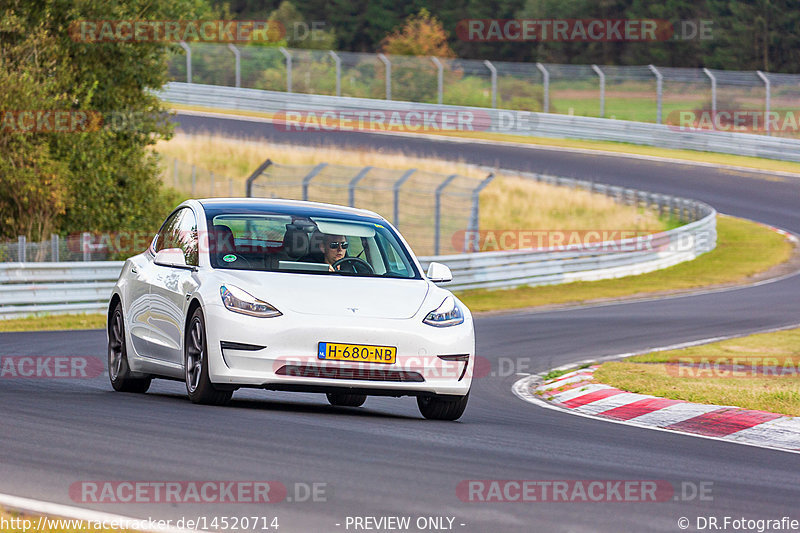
340 399
440 407
119 373
198 383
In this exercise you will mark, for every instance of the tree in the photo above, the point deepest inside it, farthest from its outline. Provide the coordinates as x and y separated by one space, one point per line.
421 35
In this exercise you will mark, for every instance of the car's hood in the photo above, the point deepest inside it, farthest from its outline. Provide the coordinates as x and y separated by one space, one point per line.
334 295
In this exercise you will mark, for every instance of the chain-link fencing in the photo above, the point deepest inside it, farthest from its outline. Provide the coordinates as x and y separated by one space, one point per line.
644 93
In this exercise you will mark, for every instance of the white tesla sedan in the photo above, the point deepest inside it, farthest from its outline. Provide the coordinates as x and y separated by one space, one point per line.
291 296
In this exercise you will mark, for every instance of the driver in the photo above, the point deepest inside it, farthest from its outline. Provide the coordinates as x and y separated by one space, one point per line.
331 247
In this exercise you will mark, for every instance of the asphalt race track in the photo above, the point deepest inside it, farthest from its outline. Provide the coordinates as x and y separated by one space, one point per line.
384 459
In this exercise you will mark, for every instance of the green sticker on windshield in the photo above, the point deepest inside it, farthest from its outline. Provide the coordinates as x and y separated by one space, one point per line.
230 258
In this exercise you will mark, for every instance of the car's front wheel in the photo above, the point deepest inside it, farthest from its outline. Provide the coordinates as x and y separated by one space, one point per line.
119 373
346 400
440 407
198 383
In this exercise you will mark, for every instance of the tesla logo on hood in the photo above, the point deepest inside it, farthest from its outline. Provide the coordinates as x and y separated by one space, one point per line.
353 309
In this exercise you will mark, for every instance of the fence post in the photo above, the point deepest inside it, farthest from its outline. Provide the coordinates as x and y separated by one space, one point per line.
230 187
85 246
437 212
175 172
713 96
310 176
659 91
248 188
54 247
388 65
353 182
396 191
212 184
474 214
288 57
194 178
439 79
546 82
767 87
237 63
493 70
188 61
602 90
338 61
21 248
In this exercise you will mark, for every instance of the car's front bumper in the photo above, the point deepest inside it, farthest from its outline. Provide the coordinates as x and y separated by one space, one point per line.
281 353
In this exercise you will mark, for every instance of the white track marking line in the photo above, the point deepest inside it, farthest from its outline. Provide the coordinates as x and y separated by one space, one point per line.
78 513
673 414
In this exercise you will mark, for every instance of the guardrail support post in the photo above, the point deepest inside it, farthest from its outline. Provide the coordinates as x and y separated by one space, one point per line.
86 245
713 96
248 187
767 87
288 57
659 91
493 70
194 179
175 172
439 79
338 62
237 62
188 61
351 187
230 187
546 83
388 65
310 176
21 248
438 213
602 90
396 191
54 247
474 214
212 184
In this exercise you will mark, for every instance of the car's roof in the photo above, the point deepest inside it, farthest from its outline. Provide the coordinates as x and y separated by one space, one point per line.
284 207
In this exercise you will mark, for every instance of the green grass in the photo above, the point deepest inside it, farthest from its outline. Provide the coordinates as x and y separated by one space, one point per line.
553 374
54 322
713 383
743 249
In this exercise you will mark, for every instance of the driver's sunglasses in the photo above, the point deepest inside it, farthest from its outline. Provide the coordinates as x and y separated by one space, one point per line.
343 245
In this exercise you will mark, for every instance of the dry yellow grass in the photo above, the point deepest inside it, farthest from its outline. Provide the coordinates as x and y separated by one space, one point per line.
507 203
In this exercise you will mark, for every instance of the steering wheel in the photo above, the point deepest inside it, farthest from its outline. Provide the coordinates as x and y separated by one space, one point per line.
355 265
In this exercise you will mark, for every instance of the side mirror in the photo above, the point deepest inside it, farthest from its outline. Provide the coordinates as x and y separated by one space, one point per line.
172 257
438 273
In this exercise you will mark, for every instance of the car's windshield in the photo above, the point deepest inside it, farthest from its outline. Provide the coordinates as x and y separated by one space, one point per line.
306 245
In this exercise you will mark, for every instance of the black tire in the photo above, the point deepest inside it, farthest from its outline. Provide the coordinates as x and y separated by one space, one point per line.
119 373
438 407
195 365
341 399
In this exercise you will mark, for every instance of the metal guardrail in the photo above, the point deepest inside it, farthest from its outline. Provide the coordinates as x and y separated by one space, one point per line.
29 288
522 123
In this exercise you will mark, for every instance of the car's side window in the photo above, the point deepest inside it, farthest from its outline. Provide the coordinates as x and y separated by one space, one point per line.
180 231
167 236
187 236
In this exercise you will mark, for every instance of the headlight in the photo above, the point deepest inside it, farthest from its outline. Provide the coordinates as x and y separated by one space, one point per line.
447 314
238 301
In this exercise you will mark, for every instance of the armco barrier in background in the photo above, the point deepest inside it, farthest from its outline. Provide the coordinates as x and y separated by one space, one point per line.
28 288
522 123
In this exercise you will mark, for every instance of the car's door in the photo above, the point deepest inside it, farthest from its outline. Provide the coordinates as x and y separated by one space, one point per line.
137 296
171 286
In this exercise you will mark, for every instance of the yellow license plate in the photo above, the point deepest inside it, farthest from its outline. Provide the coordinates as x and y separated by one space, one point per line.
357 352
